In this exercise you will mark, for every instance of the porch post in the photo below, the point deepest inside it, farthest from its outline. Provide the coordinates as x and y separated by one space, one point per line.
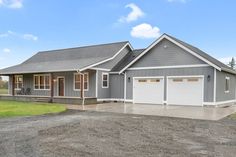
82 88
52 88
13 85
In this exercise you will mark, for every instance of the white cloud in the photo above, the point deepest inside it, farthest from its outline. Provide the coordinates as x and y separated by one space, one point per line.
145 30
26 36
181 1
14 4
135 13
6 50
30 37
226 60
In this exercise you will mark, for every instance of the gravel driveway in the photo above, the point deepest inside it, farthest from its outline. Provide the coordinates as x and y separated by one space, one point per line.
75 133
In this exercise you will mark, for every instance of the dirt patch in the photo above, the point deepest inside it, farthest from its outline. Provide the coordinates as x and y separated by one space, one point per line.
75 133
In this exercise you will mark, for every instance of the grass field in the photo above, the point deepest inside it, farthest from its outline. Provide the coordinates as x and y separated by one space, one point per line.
14 108
233 116
3 91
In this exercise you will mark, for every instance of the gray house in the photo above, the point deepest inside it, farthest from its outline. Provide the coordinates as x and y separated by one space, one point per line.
169 71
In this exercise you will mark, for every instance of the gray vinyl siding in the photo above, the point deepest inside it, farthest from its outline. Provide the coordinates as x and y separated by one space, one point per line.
221 95
208 85
117 86
28 82
112 63
69 84
167 53
103 93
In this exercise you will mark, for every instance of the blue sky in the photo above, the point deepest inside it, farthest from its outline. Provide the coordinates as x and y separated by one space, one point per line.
29 26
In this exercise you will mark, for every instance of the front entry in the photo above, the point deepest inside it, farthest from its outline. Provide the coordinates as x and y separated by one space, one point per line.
61 86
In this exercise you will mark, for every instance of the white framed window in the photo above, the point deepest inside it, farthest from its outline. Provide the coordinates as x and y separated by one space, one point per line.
18 82
105 80
227 84
42 82
77 81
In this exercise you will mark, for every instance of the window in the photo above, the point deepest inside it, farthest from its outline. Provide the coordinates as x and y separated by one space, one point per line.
227 79
18 81
142 80
193 80
42 82
105 80
178 80
155 80
77 81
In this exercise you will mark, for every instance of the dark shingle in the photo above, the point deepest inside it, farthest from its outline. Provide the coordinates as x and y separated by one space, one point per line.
127 59
66 59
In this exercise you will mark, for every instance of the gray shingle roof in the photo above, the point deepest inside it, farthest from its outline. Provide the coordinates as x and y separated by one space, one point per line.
205 55
127 59
66 59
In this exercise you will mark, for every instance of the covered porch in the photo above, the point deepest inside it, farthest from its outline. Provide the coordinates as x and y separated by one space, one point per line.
70 87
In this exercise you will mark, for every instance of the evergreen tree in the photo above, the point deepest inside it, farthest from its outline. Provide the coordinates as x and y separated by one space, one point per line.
232 63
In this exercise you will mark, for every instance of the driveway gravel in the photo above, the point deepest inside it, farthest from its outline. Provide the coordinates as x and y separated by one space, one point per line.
100 134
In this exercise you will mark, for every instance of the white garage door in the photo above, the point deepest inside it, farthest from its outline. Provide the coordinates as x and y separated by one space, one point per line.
185 91
148 90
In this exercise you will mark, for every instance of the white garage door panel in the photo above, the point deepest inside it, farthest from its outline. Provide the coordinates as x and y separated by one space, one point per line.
148 90
185 91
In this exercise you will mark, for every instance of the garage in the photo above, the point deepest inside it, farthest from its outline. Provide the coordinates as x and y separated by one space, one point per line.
185 90
148 90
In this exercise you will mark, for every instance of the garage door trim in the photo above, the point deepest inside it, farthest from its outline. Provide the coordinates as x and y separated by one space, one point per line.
148 77
185 76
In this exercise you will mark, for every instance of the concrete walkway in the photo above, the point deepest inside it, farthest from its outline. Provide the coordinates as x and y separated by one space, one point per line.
204 113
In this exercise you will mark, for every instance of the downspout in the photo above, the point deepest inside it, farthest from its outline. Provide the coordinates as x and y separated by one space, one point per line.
124 85
83 98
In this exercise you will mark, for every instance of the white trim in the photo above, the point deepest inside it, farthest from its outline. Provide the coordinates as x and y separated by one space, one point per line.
187 76
103 61
115 99
110 99
58 85
102 69
178 44
209 103
148 77
167 67
225 102
214 87
38 72
129 100
80 81
15 83
125 86
107 80
96 87
44 82
113 72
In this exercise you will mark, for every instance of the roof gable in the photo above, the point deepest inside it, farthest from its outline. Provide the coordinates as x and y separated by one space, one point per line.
166 53
187 47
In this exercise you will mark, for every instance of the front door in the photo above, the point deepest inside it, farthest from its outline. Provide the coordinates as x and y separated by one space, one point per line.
61 85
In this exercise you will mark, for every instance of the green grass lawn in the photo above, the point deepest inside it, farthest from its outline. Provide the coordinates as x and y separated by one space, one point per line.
233 116
3 91
15 108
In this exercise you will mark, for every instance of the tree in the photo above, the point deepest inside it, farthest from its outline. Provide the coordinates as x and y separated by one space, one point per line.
232 63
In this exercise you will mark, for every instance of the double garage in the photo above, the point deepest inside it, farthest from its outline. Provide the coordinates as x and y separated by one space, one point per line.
172 90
